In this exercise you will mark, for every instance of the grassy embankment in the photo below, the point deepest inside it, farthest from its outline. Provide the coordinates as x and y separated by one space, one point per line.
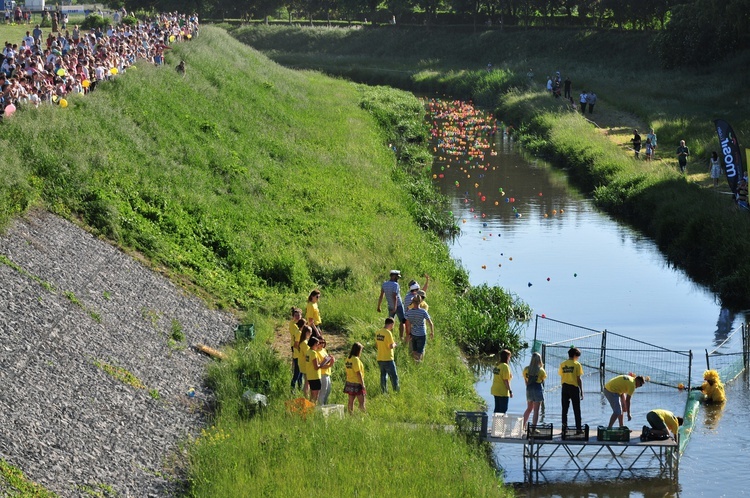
697 228
251 184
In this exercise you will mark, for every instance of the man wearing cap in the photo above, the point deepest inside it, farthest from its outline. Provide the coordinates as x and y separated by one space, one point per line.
392 292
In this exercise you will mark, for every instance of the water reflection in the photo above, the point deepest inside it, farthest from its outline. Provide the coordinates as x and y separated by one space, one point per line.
594 487
724 325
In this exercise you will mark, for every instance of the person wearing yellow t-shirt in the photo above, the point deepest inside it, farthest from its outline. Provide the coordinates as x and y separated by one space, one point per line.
355 378
294 333
572 386
314 363
304 337
501 382
312 313
619 391
663 422
325 373
534 376
386 343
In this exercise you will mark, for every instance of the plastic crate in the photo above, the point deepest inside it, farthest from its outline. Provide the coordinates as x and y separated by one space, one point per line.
616 434
507 426
474 422
573 434
245 332
331 410
539 431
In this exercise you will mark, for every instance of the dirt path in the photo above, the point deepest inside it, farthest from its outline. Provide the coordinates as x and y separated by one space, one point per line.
337 342
618 127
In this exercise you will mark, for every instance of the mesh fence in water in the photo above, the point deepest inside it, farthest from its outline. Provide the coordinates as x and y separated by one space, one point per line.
609 353
730 356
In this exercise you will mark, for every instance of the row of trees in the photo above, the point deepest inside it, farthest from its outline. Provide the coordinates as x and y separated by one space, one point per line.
690 32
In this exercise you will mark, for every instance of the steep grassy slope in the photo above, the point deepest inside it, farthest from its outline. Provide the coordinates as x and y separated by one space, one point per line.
251 184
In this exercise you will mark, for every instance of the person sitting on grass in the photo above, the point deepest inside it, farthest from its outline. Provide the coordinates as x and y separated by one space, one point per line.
662 422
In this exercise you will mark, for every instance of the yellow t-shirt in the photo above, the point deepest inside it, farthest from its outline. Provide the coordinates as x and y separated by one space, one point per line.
312 314
569 371
622 384
294 335
312 372
501 372
302 358
354 365
326 370
539 378
383 340
669 420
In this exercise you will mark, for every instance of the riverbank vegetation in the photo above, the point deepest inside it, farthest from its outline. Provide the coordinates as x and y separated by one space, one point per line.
697 227
250 184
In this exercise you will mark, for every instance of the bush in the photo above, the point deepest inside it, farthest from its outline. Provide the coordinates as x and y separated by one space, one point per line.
129 20
489 319
94 21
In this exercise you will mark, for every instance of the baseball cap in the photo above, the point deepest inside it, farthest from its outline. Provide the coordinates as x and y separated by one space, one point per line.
396 272
414 287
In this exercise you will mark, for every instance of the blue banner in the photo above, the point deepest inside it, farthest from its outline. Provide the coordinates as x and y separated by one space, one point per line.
730 153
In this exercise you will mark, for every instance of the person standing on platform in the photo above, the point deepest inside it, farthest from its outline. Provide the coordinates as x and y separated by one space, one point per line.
663 422
534 376
619 392
571 372
501 383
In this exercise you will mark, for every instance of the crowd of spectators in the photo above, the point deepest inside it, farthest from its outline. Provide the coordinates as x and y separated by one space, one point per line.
67 62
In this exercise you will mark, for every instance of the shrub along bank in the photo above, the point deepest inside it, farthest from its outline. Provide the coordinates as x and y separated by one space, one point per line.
699 230
251 184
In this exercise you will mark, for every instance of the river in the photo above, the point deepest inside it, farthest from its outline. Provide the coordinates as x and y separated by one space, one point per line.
524 228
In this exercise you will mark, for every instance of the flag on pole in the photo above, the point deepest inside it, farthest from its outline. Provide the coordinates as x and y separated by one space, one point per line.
731 154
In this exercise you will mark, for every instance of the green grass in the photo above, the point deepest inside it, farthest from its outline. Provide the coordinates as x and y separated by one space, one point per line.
260 456
250 184
17 484
121 374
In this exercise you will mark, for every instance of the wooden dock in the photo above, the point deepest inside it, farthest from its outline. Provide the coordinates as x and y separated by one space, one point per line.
559 454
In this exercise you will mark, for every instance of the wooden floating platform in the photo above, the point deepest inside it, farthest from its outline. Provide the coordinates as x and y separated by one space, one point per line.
559 454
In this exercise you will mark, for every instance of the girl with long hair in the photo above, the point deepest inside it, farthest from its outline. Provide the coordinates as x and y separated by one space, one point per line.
534 376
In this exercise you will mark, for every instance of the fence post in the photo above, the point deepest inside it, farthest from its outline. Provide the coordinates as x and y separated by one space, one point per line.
603 357
544 354
690 370
536 326
745 346
708 362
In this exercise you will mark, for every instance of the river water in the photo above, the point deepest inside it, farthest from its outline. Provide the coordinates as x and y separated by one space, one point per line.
526 230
